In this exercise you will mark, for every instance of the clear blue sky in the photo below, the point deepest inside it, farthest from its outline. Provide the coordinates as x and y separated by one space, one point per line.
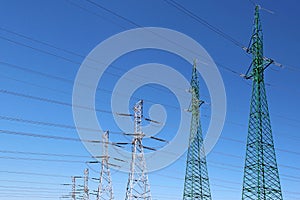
67 27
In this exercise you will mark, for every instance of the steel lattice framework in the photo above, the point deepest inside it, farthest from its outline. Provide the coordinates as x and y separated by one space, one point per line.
73 188
261 179
138 187
105 189
86 195
196 185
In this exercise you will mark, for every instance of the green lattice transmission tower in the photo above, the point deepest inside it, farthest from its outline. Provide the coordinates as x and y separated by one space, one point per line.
261 179
196 185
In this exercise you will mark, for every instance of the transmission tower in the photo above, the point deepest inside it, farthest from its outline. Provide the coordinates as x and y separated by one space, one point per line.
138 187
261 179
105 190
74 191
86 186
196 185
73 188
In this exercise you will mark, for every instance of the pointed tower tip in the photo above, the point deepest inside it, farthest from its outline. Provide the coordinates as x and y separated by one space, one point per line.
195 62
257 8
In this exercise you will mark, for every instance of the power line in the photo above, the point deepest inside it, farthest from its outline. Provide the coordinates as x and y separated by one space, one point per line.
40 50
175 107
61 92
177 44
64 103
94 13
63 57
41 42
82 156
184 10
27 182
40 159
233 168
50 100
72 127
34 122
114 13
67 155
71 82
190 14
70 105
43 154
202 21
243 142
30 188
25 69
39 174
8 132
222 180
35 174
239 157
13 195
171 2
59 78
74 53
98 89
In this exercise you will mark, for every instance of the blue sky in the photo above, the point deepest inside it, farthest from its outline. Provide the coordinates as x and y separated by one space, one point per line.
68 33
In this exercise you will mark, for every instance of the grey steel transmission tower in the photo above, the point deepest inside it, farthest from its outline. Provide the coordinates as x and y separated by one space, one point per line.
138 187
261 178
73 188
105 190
196 185
86 195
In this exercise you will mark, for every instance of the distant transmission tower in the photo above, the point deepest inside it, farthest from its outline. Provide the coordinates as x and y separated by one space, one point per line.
261 179
138 187
86 195
73 188
196 185
74 191
105 190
